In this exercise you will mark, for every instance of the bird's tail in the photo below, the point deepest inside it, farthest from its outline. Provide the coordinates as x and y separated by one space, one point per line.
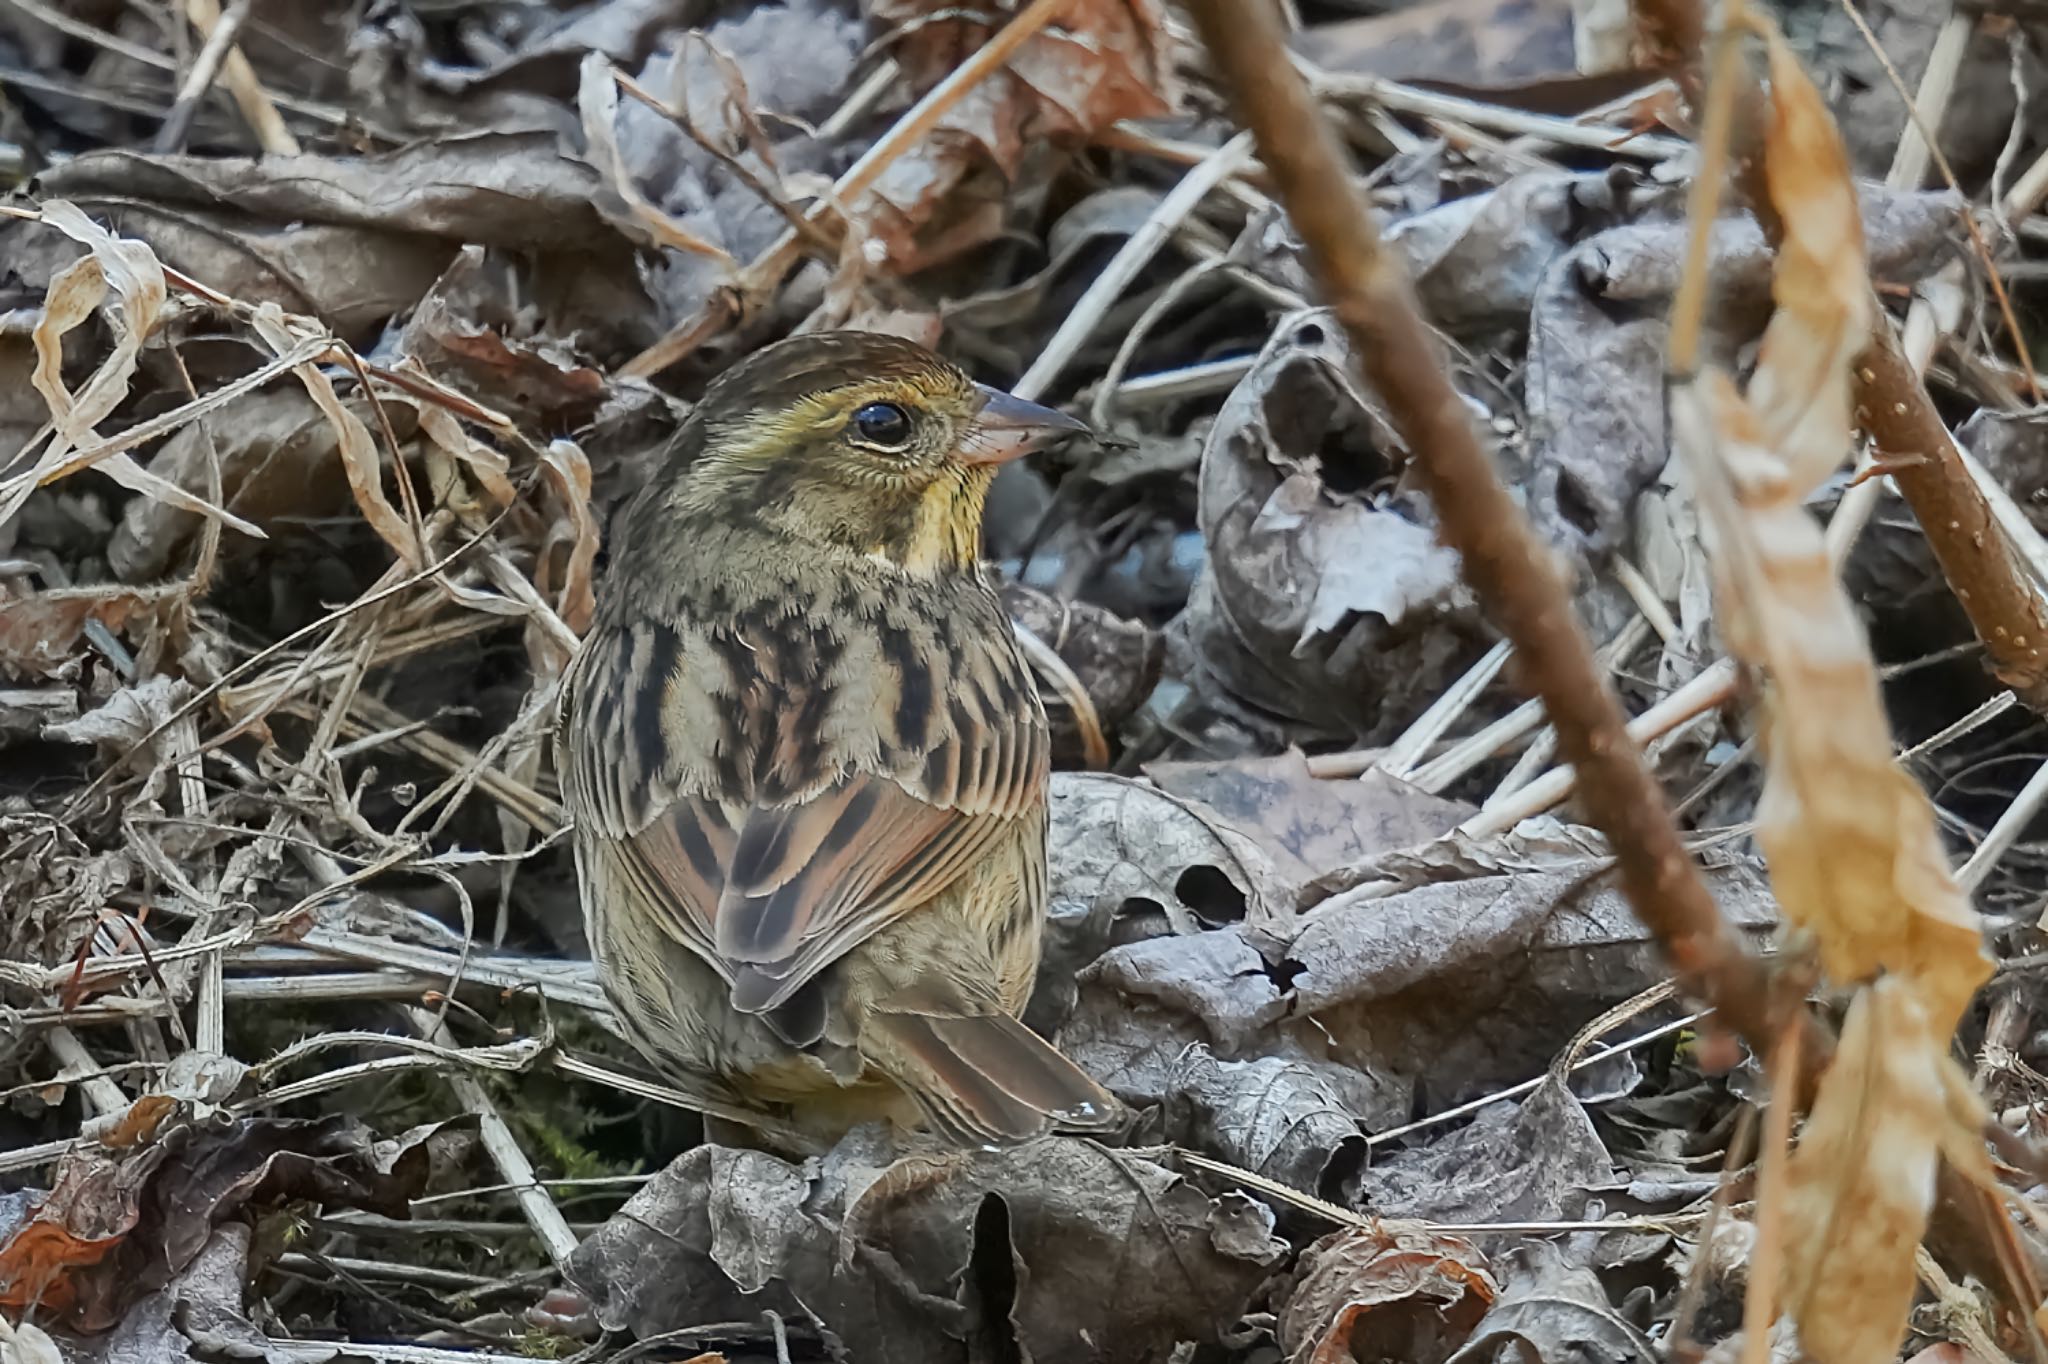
986 1079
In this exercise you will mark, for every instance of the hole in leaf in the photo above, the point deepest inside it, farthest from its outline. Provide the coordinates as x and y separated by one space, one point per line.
1211 894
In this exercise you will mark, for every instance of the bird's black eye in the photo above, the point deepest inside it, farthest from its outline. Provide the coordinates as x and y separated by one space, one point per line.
882 424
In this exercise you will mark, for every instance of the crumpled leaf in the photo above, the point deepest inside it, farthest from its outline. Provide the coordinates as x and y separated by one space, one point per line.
1326 600
1125 857
1553 1312
1597 338
358 450
597 103
1060 1248
124 720
1455 987
1310 826
1531 1161
1273 1117
469 332
1479 260
40 633
115 1225
754 103
54 887
132 273
1099 61
1392 1290
573 533
195 1317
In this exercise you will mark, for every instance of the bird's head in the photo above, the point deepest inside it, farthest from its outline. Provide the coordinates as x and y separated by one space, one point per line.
856 439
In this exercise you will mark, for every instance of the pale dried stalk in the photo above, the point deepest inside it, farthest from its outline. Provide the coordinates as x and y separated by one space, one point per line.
256 105
555 1234
1130 260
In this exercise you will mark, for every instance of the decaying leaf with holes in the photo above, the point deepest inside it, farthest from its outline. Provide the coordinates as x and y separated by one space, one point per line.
1851 841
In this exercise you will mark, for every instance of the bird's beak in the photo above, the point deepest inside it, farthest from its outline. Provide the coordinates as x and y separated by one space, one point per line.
1008 427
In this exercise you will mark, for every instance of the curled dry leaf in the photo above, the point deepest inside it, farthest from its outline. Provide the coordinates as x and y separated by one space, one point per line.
1273 1117
474 331
130 270
1326 601
1452 988
1862 1179
1392 1290
597 104
1597 336
1115 841
1851 841
1532 1161
1553 1311
1128 860
571 539
40 633
353 441
1309 826
1854 853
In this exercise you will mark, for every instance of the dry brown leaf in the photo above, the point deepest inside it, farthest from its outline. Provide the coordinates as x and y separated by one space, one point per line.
117 1224
568 474
358 450
1100 62
597 103
489 467
130 271
1862 1180
1854 854
1851 841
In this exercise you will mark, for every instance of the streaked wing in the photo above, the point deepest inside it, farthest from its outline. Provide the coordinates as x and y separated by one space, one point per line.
782 791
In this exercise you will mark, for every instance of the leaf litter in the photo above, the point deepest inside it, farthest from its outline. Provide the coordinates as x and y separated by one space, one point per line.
305 497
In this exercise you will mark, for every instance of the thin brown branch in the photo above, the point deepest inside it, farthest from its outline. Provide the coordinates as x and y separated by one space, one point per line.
1515 576
2006 611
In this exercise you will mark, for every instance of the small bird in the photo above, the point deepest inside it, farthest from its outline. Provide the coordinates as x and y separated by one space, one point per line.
806 760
